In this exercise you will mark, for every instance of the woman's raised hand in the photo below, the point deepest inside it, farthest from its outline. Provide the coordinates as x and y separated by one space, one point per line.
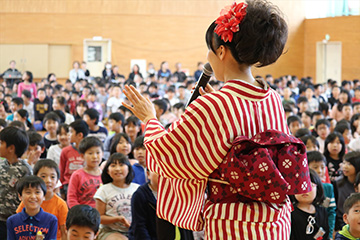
142 107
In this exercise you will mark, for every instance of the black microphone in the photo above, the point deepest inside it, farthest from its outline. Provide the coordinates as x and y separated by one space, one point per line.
203 80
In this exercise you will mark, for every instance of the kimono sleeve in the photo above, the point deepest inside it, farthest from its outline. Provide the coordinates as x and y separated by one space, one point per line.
194 146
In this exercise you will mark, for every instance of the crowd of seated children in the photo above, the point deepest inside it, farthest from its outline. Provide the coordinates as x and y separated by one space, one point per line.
88 109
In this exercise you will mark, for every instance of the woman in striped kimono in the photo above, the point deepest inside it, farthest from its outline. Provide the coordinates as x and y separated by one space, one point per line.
192 155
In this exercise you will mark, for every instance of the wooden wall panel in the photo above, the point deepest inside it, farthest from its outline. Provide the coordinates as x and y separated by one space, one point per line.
121 7
139 29
343 29
59 60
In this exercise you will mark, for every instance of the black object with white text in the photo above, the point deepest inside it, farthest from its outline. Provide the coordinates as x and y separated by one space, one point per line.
203 80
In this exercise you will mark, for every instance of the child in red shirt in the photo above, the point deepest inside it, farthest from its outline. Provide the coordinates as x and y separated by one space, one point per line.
85 181
70 158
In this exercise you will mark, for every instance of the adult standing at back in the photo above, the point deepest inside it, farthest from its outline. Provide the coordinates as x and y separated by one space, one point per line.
12 71
76 73
191 155
12 68
135 71
179 74
164 71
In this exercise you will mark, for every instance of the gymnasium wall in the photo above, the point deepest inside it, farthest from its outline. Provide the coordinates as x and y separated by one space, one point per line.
139 29
343 29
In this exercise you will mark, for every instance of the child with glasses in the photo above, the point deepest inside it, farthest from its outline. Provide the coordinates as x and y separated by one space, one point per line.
309 219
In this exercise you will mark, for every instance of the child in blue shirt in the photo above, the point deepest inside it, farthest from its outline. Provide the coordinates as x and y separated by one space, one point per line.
32 221
140 155
91 117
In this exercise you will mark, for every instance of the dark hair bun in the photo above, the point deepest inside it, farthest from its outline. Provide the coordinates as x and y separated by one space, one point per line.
262 36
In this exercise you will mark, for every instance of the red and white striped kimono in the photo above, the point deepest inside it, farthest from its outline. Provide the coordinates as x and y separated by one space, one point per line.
194 146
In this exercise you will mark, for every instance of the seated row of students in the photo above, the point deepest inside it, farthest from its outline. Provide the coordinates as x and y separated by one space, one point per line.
335 152
333 144
81 136
82 221
332 154
113 199
345 176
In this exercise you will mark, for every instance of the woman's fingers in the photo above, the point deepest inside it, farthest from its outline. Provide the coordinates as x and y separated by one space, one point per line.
133 110
149 101
136 92
201 91
128 106
141 107
130 94
209 88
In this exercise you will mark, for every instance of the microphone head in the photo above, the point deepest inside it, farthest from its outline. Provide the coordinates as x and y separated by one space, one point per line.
207 69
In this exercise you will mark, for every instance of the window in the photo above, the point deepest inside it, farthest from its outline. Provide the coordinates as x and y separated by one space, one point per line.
331 8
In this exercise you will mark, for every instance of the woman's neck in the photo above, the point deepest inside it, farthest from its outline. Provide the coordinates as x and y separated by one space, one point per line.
306 207
120 184
241 72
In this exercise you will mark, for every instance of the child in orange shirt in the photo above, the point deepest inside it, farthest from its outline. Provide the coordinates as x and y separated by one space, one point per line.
48 170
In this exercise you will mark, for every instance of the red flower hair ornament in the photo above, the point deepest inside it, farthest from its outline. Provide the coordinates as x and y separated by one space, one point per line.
228 22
